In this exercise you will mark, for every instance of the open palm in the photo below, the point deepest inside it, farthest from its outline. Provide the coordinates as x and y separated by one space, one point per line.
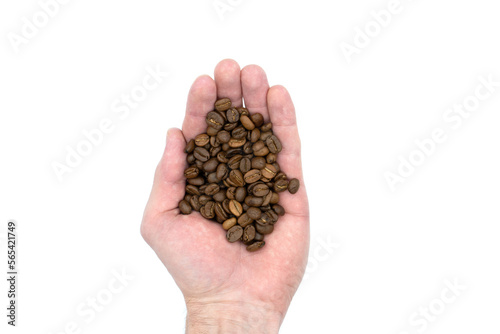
207 268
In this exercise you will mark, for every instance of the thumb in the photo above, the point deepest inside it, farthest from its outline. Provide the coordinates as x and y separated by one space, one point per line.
169 184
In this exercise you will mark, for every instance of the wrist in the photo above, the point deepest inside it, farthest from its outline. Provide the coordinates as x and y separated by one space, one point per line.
235 317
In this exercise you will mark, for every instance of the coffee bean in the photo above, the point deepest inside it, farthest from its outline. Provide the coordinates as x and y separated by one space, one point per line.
212 131
188 198
257 119
247 122
263 220
240 194
236 177
245 165
212 189
293 186
273 216
190 159
221 157
222 171
271 158
264 229
258 237
254 201
223 136
220 212
190 146
265 135
279 209
232 115
280 185
239 133
254 213
266 127
215 120
234 233
247 148
212 178
196 181
220 196
234 162
201 154
235 208
193 190
256 246
244 220
229 223
202 139
208 210
252 176
248 233
223 104
211 165
267 198
225 205
275 198
195 203
269 171
215 150
233 142
243 111
260 190
258 162
254 135
231 192
191 172
274 144
260 149
230 126
185 208
214 142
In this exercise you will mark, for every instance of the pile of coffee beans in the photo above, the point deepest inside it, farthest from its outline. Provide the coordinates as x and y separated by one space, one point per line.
233 177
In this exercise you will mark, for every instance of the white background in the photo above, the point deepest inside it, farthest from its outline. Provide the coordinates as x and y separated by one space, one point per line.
396 248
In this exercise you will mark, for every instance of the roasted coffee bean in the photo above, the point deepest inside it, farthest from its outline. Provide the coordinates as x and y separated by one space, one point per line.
293 186
274 144
233 152
214 142
212 131
223 114
247 122
211 165
258 162
252 176
191 172
280 185
255 135
223 104
258 237
229 223
212 178
234 233
202 188
247 148
231 192
196 181
272 215
264 229
235 208
208 210
255 246
215 150
201 154
240 194
193 190
260 190
195 203
265 208
265 135
198 164
276 167
202 139
219 196
212 189
225 205
215 120
239 132
190 159
222 171
275 198
248 233
254 213
245 165
188 198
243 111
232 115
244 220
190 146
269 171
257 119
236 177
245 206
234 162
185 208
223 136
263 220
267 198
271 158
279 209
203 199
254 201
230 126
260 149
233 142
219 212
266 127
280 176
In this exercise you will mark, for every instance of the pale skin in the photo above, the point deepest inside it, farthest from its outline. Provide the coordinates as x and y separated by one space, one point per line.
226 288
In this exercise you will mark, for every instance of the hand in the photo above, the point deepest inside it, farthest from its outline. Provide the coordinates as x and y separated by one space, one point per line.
226 288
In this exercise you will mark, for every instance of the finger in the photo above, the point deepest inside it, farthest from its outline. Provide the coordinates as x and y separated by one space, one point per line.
169 183
254 86
282 114
227 80
201 99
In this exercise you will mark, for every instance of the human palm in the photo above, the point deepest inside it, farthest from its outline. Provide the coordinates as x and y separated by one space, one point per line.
208 269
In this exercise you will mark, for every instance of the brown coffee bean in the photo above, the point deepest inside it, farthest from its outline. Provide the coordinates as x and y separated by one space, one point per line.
280 176
267 198
280 185
211 165
233 142
271 158
215 150
279 209
254 213
202 188
223 136
253 201
231 192
185 208
247 148
293 186
257 119
258 237
232 115
240 194
248 233
276 166
260 190
273 216
236 177
245 165
225 206
247 122
190 146
274 144
212 178
243 111
232 152
266 127
256 246
235 208
260 149
239 132
258 162
203 199
275 198
193 190
212 189
191 172
234 233
215 120
244 220
229 223
196 181
263 220
265 135
208 210
221 157
214 142
198 164
211 131
202 139
252 176
201 154
188 198
223 104
222 171
195 203
264 229
230 126
219 196
269 171
190 159
220 212
255 135
234 162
